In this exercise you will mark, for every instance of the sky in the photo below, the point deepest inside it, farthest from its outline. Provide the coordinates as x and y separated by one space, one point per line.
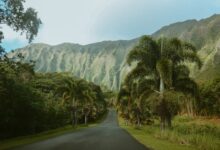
89 21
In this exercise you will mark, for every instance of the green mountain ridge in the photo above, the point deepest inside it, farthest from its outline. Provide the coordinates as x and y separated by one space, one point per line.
205 35
105 62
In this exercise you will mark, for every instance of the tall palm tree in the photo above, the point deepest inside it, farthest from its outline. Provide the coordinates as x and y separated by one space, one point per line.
124 104
158 61
184 84
68 89
132 98
81 96
87 100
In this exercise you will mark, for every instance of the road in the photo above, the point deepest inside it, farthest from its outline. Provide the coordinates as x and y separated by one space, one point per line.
106 136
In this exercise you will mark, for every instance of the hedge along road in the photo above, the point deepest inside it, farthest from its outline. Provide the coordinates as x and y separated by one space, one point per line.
106 136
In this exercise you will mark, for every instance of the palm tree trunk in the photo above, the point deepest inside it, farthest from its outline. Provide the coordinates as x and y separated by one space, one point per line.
139 122
74 112
162 115
189 107
161 87
162 123
75 118
85 119
126 121
169 121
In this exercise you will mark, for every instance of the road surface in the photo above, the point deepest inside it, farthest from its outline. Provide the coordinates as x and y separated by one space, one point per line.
106 136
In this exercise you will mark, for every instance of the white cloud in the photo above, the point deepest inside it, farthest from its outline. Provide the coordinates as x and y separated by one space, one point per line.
87 21
9 34
67 20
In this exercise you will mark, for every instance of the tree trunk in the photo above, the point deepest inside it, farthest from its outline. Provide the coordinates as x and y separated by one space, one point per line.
138 123
85 119
126 122
189 106
161 87
75 118
74 112
162 123
169 121
162 113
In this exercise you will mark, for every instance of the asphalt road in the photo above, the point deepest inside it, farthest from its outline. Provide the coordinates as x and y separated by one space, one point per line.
106 136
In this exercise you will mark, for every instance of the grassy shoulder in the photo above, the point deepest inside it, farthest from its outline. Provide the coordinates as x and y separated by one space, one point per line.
187 134
20 141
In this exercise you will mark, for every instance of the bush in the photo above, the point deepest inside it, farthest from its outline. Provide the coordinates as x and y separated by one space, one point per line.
209 103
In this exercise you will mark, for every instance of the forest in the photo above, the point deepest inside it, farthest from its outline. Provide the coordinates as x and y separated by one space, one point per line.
32 102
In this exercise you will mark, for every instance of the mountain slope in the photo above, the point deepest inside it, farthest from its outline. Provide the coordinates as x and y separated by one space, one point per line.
205 35
104 62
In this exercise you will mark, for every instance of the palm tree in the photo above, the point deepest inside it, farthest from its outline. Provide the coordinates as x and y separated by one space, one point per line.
68 89
132 98
124 104
82 96
87 100
184 84
158 60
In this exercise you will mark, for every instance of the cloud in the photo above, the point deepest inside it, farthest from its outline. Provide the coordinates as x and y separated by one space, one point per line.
67 20
88 21
9 34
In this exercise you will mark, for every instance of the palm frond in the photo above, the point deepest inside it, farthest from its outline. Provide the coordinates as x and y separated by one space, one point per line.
192 57
187 86
136 54
180 71
189 46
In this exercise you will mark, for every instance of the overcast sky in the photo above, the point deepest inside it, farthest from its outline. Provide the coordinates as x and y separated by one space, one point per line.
88 21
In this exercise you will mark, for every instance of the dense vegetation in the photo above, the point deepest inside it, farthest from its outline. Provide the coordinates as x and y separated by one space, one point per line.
30 102
160 87
160 84
161 76
209 102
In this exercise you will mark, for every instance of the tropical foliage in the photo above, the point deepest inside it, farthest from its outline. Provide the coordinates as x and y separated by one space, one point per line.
159 79
209 102
34 104
82 97
30 102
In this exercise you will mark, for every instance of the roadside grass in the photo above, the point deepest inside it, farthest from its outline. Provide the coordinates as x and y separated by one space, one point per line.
24 140
187 134
20 141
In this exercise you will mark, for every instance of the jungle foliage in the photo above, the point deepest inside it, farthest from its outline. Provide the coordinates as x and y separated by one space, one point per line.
160 85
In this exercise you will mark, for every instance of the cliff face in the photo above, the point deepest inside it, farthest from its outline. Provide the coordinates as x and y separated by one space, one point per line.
104 62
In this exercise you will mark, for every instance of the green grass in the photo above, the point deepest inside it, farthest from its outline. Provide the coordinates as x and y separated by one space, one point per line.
187 134
20 141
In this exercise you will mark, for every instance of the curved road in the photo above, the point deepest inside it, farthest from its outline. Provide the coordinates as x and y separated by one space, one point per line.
107 136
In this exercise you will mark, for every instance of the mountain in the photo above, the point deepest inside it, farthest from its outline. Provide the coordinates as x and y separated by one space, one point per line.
205 35
104 62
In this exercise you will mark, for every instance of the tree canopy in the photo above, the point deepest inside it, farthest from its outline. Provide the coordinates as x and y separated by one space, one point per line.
160 70
14 15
